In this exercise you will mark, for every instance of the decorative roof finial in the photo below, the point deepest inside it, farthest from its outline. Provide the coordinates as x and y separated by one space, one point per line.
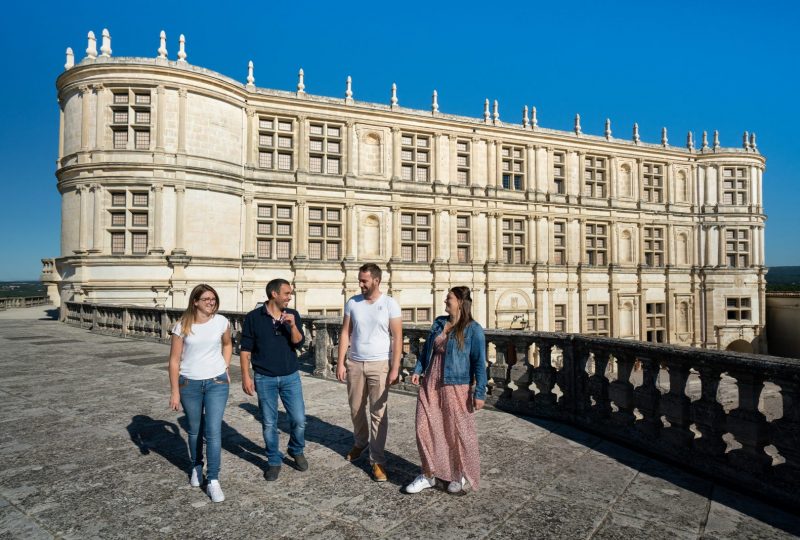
251 80
394 95
534 121
70 59
301 87
91 48
753 144
690 141
664 140
435 102
636 133
348 92
746 141
105 48
496 112
525 117
162 48
716 139
182 50
486 111
577 124
705 141
608 129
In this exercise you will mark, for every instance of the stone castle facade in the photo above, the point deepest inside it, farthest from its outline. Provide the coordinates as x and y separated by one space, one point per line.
172 175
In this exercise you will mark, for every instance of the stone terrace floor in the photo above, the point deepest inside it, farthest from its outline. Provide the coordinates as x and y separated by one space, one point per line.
89 449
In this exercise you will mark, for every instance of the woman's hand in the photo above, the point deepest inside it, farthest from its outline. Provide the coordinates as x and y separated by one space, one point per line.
477 404
175 401
415 379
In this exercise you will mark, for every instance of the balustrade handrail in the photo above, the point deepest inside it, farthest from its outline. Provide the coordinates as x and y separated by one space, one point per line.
7 302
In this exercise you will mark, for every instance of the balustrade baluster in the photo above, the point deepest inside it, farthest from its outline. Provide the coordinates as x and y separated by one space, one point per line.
321 345
647 398
620 391
545 378
598 385
785 432
748 424
520 373
675 405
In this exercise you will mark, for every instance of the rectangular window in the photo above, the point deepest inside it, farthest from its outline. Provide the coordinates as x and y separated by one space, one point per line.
118 219
656 322
136 204
559 172
324 233
738 309
597 319
463 238
142 117
142 139
120 139
325 148
654 246
514 235
513 167
139 198
125 116
274 231
735 185
118 243
416 315
596 244
120 98
737 247
560 318
275 133
118 198
139 242
559 242
463 162
653 182
415 157
120 116
139 219
142 99
594 177
415 236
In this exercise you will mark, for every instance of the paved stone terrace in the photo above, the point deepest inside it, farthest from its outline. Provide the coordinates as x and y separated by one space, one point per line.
89 450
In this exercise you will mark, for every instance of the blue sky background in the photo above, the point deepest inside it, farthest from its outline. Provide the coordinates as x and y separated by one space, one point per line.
727 65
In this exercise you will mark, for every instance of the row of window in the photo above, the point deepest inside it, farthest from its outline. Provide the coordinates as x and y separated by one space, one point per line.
130 119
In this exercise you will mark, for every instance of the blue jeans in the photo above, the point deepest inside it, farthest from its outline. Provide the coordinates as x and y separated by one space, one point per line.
290 390
203 401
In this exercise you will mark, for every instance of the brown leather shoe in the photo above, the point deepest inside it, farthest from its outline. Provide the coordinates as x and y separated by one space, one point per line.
378 473
354 453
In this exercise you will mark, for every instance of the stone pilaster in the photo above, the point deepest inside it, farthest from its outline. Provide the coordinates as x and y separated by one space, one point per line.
158 217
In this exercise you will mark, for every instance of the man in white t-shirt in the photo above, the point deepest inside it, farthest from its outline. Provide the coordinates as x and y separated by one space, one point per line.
373 331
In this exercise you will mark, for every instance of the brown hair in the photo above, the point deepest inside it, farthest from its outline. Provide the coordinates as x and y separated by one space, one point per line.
189 316
464 297
373 269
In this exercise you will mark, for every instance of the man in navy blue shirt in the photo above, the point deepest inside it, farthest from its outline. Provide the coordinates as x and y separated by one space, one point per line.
271 335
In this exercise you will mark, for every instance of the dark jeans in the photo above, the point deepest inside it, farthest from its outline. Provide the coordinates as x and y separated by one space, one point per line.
290 390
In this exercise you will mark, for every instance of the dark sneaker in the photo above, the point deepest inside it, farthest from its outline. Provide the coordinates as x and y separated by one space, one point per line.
300 461
271 474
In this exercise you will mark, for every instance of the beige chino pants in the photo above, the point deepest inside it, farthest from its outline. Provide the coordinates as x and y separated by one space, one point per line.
367 393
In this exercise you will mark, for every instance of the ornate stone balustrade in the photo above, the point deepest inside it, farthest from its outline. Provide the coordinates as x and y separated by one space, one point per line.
732 416
23 302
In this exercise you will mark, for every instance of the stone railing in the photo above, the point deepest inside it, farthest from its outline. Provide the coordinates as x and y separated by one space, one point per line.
23 302
730 416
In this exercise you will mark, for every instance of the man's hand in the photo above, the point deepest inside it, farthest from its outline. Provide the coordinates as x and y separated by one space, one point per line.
288 318
391 379
415 379
248 386
341 372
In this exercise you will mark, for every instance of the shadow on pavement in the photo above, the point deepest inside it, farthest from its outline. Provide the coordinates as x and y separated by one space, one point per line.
162 437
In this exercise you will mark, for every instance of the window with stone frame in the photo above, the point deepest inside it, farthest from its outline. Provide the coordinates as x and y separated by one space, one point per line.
463 162
463 238
655 322
325 233
131 118
654 246
128 221
513 167
735 185
597 322
274 231
325 148
596 242
415 157
560 318
737 247
738 308
513 241
595 178
653 182
275 143
559 173
416 315
559 242
415 236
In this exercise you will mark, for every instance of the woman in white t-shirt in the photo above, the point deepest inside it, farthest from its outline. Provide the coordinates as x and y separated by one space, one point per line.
198 378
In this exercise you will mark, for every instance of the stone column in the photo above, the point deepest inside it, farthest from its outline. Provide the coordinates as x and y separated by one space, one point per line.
301 242
579 180
351 230
542 255
492 234
454 236
441 236
350 158
435 154
640 178
761 260
183 96
754 241
158 212
60 130
669 176
759 201
180 195
97 226
722 260
530 168
86 92
544 156
499 237
613 166
396 233
397 144
572 186
574 238
498 165
613 230
249 225
100 116
669 245
531 249
473 234
302 145
719 185
252 135
491 164
161 109
83 218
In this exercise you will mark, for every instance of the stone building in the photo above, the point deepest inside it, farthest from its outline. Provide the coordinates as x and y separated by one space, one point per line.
171 175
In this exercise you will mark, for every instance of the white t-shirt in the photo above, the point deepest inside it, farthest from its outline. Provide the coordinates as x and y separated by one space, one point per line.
370 339
202 349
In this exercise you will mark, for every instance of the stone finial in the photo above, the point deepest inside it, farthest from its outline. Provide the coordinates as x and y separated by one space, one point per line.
70 59
636 138
525 117
394 95
746 141
753 144
91 48
162 47
251 80
435 102
608 129
496 112
664 140
301 86
689 141
105 48
182 50
716 139
348 92
577 124
486 111
705 141
534 121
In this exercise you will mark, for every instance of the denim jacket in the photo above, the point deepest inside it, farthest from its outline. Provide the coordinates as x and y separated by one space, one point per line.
461 366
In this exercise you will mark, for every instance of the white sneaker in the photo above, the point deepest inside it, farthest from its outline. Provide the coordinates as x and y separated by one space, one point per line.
214 491
197 476
420 482
455 486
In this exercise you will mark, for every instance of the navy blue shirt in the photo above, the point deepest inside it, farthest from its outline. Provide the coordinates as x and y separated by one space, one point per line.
270 342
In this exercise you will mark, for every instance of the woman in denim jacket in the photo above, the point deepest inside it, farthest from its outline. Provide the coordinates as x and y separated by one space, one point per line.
453 358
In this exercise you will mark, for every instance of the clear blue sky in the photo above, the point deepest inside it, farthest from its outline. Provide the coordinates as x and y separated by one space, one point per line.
726 65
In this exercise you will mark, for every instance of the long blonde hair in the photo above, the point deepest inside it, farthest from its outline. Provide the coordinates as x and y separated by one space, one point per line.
190 315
